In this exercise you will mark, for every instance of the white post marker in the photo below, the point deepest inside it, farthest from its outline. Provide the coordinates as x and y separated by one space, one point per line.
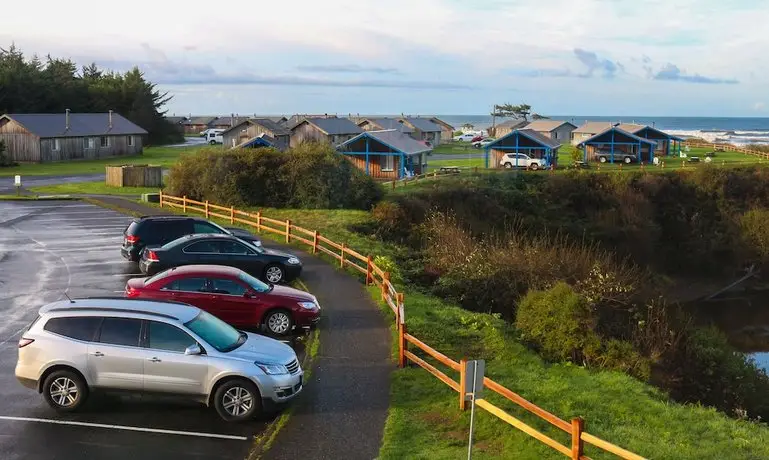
474 381
17 183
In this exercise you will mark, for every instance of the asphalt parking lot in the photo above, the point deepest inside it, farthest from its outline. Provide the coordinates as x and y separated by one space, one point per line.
47 248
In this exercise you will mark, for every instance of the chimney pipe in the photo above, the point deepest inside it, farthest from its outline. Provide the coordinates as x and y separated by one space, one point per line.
232 120
66 119
110 119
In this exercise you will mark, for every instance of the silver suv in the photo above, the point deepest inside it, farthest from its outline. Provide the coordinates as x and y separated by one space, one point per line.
75 346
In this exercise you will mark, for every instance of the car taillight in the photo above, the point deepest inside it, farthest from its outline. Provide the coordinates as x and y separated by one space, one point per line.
23 342
151 255
131 239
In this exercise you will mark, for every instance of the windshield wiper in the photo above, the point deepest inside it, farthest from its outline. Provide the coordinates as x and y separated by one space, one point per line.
241 340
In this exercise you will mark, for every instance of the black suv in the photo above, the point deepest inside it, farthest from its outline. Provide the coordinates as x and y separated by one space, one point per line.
159 230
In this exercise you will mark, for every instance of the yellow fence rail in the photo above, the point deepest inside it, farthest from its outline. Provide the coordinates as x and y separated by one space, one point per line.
349 258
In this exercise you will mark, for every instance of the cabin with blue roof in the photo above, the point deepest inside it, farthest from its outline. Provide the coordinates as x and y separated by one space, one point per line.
615 145
386 154
523 141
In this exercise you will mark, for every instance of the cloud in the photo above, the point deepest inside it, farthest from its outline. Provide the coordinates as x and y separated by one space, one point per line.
671 72
595 64
759 106
160 69
542 73
351 68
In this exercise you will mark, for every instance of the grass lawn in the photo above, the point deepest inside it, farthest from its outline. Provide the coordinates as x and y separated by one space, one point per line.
162 156
456 148
424 421
91 188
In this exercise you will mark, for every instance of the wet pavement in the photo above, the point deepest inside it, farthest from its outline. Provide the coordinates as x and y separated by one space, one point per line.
48 248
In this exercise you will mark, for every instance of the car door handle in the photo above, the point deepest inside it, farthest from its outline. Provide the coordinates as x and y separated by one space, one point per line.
154 360
98 353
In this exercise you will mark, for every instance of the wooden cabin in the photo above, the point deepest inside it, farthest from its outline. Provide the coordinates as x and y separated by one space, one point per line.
556 130
196 125
227 122
525 141
249 129
388 154
332 130
47 137
178 122
447 131
588 130
383 124
507 127
666 143
424 129
617 141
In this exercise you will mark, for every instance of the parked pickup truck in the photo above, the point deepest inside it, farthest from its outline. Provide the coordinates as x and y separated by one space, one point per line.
604 156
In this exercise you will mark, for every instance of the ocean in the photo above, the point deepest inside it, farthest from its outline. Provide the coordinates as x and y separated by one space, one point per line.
739 131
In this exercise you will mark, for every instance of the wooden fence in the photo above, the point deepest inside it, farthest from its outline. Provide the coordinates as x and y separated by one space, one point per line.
408 344
727 148
134 176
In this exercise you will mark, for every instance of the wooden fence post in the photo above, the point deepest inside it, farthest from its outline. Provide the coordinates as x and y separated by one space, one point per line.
207 215
184 203
402 344
577 446
232 214
369 274
161 197
341 259
315 242
288 231
462 389
259 220
393 184
385 278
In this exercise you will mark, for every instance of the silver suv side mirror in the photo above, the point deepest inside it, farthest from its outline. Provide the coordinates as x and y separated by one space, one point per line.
193 350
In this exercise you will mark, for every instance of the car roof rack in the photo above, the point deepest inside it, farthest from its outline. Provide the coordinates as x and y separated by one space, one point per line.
118 310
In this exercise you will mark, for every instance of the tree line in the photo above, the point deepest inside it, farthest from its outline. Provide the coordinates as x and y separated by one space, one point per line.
53 85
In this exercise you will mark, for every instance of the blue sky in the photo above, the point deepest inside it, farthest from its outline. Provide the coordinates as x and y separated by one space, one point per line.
587 57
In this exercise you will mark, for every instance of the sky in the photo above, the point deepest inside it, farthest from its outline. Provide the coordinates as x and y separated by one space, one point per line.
586 57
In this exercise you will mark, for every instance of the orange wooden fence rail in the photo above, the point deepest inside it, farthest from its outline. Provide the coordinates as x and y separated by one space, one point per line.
727 148
348 258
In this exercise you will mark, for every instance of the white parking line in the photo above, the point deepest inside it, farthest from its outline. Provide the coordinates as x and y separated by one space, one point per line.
125 428
129 274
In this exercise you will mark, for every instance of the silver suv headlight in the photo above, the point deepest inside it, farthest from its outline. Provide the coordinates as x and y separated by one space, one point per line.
272 369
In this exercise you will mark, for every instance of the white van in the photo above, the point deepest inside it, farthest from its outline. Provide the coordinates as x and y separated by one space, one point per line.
214 136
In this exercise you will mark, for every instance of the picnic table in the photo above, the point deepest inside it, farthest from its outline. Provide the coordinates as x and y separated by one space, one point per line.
449 169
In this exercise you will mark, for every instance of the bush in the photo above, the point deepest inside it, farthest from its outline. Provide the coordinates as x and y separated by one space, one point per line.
4 160
562 326
311 176
708 370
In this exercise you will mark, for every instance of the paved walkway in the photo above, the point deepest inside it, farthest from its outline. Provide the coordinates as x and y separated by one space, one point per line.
343 409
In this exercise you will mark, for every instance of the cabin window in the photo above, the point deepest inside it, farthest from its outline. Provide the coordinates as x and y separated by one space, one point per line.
388 163
88 142
105 141
555 134
56 145
130 141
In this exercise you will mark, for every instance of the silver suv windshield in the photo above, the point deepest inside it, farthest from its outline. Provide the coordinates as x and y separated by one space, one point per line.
216 332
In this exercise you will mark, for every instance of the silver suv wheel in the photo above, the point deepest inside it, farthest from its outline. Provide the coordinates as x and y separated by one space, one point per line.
237 400
64 390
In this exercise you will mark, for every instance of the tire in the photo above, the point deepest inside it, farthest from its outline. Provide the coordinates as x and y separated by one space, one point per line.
602 159
237 401
274 273
279 322
212 143
628 160
534 166
65 390
509 165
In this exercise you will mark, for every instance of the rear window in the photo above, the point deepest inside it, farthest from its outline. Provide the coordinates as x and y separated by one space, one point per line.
156 277
132 228
80 327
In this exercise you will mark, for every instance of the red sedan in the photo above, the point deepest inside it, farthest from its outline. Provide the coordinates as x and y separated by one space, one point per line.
232 295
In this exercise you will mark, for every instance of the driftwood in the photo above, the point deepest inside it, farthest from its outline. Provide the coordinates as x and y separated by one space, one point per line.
751 273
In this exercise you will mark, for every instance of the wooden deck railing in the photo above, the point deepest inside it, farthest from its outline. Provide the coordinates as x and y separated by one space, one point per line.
408 345
727 148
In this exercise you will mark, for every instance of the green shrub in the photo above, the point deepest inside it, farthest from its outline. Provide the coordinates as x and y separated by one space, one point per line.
312 176
708 370
755 229
559 323
5 161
